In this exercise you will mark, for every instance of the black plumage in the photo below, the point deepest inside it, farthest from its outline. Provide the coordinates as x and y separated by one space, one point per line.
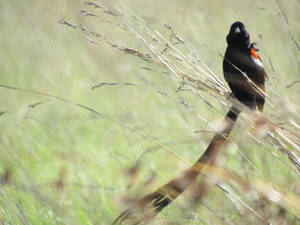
241 65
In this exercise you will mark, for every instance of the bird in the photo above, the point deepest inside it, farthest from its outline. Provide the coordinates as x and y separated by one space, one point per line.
243 69
241 63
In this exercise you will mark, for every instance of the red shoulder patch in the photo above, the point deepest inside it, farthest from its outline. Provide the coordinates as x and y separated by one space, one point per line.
253 53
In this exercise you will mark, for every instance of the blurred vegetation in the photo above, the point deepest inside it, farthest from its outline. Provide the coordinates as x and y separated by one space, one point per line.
63 164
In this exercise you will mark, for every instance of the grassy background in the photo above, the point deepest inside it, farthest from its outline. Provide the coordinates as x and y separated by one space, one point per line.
65 165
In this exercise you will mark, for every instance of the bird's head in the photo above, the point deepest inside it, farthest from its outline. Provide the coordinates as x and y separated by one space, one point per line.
238 36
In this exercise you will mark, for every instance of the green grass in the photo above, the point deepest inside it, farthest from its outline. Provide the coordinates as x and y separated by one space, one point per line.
68 165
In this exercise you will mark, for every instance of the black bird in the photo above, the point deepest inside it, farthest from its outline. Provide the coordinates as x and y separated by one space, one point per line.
241 64
243 69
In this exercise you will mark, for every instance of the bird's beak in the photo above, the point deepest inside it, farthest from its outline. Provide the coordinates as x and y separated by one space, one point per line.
237 30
